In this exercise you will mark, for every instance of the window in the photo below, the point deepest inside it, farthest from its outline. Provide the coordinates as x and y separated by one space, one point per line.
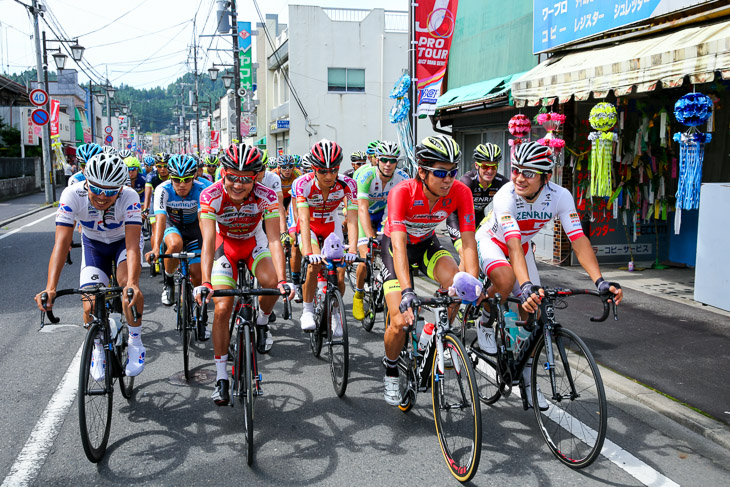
346 80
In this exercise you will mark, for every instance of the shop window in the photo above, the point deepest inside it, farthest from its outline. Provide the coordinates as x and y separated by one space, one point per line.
346 80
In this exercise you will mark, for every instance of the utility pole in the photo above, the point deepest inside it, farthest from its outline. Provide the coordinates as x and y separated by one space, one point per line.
236 73
46 131
47 166
197 109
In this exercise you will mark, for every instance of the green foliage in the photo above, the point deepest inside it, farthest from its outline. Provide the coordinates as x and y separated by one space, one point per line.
10 143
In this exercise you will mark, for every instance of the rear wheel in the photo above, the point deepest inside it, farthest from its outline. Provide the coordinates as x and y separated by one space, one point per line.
315 337
183 325
95 400
574 425
406 378
339 345
247 386
126 384
456 410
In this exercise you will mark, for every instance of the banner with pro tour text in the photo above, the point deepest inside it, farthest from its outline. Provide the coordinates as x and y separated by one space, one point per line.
434 28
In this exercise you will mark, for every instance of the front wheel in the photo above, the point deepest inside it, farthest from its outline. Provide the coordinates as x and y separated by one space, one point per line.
95 396
126 384
339 345
574 425
183 325
315 337
456 409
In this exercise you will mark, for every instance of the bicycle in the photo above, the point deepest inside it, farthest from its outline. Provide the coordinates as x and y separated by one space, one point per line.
74 245
443 365
146 225
331 321
187 322
563 368
287 258
94 415
373 299
246 376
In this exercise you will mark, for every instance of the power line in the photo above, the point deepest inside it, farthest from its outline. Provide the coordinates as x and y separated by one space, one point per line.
139 36
113 21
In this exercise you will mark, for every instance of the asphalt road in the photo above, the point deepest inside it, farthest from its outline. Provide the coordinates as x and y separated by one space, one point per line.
170 433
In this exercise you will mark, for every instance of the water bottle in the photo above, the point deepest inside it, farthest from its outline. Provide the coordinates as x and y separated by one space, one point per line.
511 329
115 326
426 336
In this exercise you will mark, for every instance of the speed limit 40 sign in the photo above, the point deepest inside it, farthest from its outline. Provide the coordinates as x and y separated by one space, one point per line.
38 97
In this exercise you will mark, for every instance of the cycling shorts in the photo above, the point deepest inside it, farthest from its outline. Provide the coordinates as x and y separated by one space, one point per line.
190 235
317 238
97 258
376 221
424 255
492 256
230 251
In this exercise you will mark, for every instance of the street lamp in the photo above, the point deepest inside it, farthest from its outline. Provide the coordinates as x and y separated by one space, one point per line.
125 109
195 108
100 98
77 51
59 58
213 72
227 80
110 89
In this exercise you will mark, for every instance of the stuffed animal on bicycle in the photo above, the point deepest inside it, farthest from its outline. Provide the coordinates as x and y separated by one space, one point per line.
465 287
333 248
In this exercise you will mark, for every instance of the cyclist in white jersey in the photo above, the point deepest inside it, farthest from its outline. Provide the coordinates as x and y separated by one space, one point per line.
521 209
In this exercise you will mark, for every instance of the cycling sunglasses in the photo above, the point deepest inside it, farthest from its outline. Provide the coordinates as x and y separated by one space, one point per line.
526 173
239 179
386 160
130 169
159 166
441 173
184 180
487 165
323 171
287 166
99 191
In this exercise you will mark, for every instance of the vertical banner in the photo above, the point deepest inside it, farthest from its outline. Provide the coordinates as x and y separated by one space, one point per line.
244 54
55 109
28 133
214 140
434 28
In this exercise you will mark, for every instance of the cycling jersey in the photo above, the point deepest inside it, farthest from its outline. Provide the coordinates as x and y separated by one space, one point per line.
286 183
238 221
153 180
272 181
482 198
76 178
179 210
408 210
323 213
371 187
103 226
138 185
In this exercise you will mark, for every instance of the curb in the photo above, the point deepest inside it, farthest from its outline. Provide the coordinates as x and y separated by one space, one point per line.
23 215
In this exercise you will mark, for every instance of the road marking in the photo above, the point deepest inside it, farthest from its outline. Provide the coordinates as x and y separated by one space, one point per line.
33 455
26 226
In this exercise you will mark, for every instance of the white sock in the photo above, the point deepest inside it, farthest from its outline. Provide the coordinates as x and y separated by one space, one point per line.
221 367
135 335
263 318
308 307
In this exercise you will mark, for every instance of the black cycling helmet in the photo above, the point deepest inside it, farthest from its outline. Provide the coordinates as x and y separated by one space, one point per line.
488 153
438 148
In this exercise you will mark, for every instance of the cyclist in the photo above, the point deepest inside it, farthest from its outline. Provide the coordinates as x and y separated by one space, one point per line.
109 214
210 164
153 180
319 194
357 159
415 208
177 202
84 152
238 206
521 209
288 174
149 165
373 185
484 182
370 152
136 181
124 153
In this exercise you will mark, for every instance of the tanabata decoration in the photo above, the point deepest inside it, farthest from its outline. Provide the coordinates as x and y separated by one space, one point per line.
520 127
692 109
602 118
551 122
399 117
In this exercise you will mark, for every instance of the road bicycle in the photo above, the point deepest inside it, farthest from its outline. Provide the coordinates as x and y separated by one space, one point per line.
74 245
95 395
247 378
288 277
443 366
146 225
187 322
563 369
373 299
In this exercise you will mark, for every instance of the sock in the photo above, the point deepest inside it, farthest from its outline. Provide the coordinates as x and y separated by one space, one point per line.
221 368
391 367
308 307
263 319
169 281
359 293
295 276
135 335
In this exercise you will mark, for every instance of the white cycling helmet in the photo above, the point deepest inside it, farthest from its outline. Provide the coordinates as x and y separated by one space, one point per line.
532 155
108 170
107 149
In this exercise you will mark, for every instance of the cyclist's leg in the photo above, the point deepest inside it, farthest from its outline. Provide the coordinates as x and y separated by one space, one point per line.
174 242
438 264
223 276
96 266
191 244
262 267
310 280
135 351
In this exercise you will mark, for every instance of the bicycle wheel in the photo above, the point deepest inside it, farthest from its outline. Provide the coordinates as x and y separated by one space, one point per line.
351 272
406 377
369 304
183 324
246 390
338 343
315 337
126 384
287 310
574 426
95 401
456 410
485 367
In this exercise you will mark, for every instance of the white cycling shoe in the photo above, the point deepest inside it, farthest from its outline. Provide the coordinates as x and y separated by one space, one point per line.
135 362
392 390
485 335
308 323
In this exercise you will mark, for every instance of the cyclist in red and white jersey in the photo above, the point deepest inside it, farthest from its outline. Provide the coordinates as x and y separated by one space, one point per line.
521 209
318 195
415 209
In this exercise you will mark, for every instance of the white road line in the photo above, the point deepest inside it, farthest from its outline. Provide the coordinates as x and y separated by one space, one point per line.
26 226
33 455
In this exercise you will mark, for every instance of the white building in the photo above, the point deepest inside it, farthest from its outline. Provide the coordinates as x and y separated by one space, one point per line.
342 64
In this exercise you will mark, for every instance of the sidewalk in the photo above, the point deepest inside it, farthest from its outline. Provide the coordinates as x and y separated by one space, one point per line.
18 206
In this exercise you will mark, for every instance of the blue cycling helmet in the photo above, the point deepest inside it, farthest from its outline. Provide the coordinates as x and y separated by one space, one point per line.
84 152
182 165
149 161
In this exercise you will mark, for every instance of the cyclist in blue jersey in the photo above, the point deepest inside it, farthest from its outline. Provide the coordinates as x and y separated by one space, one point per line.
177 202
84 152
149 165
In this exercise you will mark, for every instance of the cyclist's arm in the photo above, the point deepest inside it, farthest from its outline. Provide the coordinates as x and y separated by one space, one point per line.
363 213
352 232
517 259
469 250
304 230
587 258
147 196
399 243
134 263
277 252
64 236
208 231
160 224
282 213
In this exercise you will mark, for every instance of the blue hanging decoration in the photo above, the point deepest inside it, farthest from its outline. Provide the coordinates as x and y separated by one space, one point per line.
399 117
692 109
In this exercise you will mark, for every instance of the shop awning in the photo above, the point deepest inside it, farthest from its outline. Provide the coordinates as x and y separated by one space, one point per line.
476 93
630 67
261 141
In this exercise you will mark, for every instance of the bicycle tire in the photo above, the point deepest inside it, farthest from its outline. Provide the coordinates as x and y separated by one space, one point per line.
183 317
406 376
351 272
485 367
315 337
369 306
574 428
94 420
461 450
287 310
338 347
126 384
247 397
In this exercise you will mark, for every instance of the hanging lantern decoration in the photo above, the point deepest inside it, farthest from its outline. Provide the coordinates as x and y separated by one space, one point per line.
520 127
692 109
551 122
602 118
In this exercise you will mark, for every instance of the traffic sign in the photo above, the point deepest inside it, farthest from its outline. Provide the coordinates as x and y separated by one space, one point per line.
38 97
39 116
108 130
129 146
108 139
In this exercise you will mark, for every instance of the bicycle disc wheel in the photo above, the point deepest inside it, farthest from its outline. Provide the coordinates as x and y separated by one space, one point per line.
574 426
246 397
456 410
338 344
95 401
126 384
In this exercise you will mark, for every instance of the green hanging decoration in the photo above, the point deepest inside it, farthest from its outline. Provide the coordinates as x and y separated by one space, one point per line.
602 118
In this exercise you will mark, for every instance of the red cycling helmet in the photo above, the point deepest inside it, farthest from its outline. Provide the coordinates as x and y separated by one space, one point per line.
326 154
242 157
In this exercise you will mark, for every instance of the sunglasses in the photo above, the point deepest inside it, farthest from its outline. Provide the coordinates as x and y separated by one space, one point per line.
184 180
160 166
239 179
288 166
487 165
388 161
441 173
324 171
526 173
99 191
133 169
